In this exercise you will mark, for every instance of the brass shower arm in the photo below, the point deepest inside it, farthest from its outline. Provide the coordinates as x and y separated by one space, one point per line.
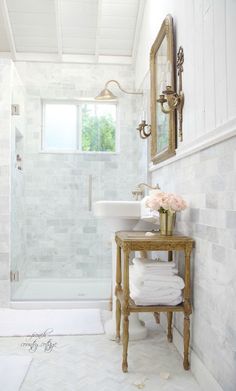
122 89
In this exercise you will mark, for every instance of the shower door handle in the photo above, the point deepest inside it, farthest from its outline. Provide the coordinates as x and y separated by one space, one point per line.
90 192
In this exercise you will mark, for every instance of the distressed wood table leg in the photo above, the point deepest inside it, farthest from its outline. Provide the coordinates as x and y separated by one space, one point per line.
186 341
118 319
170 256
125 343
118 287
157 317
169 314
125 311
169 321
187 307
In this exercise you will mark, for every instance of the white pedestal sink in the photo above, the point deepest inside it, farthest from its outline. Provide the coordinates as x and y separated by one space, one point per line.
120 215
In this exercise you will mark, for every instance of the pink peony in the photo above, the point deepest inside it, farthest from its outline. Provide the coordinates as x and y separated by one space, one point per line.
160 200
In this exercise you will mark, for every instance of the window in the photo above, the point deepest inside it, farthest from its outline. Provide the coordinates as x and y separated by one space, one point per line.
82 127
59 126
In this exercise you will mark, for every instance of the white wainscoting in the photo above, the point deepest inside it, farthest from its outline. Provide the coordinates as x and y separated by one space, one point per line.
222 133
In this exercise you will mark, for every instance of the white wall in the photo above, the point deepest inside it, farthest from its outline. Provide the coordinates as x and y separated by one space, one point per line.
204 169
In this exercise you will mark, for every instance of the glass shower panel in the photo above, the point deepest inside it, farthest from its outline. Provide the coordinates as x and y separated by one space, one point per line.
68 254
60 250
17 185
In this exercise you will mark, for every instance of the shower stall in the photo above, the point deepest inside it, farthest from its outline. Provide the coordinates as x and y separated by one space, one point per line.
63 252
60 252
66 250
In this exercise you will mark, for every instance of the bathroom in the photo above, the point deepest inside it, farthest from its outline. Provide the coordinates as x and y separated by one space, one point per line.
57 243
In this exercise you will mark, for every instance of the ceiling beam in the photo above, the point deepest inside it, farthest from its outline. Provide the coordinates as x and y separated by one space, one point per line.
99 17
74 58
138 26
8 28
58 27
37 57
117 60
5 55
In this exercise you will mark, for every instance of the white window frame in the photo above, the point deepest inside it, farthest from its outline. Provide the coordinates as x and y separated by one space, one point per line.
78 149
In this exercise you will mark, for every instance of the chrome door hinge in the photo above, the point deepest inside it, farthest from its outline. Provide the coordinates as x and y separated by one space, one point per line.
14 276
15 109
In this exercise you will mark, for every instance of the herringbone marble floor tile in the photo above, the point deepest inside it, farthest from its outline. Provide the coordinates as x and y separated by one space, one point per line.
93 363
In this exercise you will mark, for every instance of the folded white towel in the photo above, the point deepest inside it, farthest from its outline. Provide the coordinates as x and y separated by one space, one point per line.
150 274
156 293
156 285
148 263
163 301
139 279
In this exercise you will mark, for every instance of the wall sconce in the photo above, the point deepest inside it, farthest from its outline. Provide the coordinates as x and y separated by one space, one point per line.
106 94
141 128
174 100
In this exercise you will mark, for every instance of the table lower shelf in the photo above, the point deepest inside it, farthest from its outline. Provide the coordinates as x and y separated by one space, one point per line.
149 308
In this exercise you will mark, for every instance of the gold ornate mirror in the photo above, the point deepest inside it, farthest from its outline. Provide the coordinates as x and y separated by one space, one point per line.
163 126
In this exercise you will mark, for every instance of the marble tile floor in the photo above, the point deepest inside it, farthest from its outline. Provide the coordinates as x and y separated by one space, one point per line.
93 363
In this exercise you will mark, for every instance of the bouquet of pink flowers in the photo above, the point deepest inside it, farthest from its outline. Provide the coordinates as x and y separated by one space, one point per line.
163 202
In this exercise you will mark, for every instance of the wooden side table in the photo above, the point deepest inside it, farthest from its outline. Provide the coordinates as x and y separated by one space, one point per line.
137 241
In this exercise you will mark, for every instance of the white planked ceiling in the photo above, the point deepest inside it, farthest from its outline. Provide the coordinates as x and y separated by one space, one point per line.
103 31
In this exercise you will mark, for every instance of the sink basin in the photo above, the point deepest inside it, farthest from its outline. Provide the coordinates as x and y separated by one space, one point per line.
117 209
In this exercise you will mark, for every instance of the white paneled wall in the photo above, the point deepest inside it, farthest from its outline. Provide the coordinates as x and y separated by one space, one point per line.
220 62
230 27
207 31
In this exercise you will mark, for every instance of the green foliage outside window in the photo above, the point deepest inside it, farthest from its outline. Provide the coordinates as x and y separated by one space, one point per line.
98 132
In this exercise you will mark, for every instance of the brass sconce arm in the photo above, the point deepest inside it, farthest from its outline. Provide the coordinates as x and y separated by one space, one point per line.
122 89
142 131
172 99
107 94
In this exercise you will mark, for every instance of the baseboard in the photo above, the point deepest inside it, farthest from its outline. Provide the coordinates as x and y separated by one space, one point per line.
204 378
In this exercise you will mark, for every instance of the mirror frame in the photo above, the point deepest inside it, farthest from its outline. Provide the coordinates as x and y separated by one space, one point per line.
166 30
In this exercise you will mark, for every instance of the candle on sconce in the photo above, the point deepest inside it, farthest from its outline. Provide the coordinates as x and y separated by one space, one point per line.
162 84
143 116
168 73
162 87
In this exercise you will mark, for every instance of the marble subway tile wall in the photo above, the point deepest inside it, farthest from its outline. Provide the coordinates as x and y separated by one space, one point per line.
63 237
5 148
207 180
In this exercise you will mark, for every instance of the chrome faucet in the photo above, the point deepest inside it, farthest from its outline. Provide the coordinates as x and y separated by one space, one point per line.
138 192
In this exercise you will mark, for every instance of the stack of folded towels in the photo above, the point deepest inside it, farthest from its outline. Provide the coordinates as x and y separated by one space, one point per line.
155 282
